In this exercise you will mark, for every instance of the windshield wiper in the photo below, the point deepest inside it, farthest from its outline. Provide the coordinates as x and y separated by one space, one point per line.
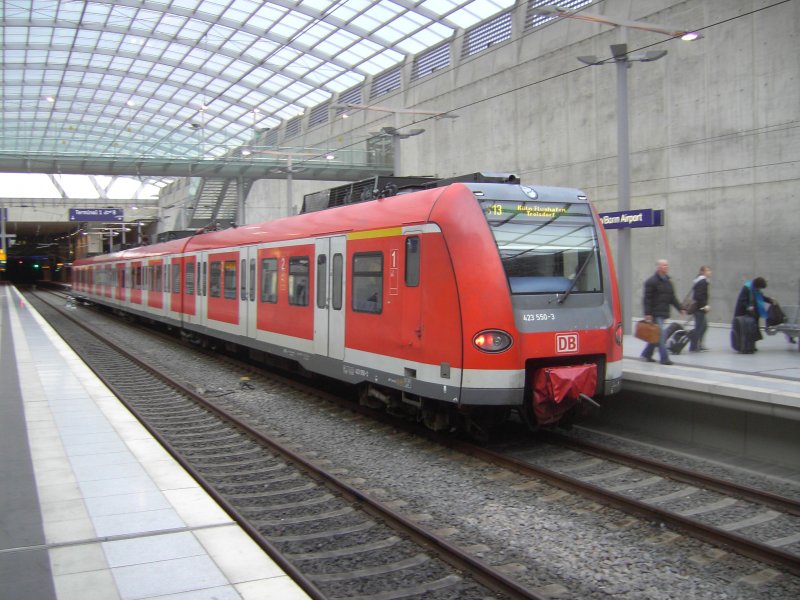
575 280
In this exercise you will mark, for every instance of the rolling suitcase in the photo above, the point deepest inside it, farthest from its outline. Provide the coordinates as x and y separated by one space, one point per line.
744 333
676 338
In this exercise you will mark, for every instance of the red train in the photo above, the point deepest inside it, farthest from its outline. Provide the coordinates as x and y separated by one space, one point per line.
457 301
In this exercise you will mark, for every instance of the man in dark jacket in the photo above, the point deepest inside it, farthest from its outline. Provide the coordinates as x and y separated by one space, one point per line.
659 295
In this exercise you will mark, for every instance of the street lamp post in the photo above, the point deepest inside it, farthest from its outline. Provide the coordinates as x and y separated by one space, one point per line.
624 262
622 60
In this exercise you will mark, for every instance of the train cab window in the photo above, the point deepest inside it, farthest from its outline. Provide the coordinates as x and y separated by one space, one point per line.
546 247
269 280
215 279
338 282
243 286
298 280
252 279
176 279
189 285
322 280
230 280
367 290
412 261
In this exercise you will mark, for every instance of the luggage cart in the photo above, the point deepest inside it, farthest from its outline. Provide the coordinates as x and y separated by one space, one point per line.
790 326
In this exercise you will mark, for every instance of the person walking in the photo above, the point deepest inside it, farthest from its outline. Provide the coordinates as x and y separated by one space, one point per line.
659 295
752 301
700 294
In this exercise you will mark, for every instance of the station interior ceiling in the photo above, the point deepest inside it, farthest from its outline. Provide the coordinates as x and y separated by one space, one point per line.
92 81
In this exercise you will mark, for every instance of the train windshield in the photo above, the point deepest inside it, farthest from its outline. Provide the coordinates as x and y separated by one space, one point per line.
546 247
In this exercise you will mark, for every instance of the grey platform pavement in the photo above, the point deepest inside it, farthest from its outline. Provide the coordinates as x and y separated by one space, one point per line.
766 382
91 506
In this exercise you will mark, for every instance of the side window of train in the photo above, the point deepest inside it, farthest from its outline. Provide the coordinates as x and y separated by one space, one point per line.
368 282
189 284
230 280
412 261
204 279
322 280
269 280
214 277
243 286
252 279
176 279
338 282
159 278
298 280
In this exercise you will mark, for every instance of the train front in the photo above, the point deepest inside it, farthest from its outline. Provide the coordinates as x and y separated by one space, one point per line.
544 332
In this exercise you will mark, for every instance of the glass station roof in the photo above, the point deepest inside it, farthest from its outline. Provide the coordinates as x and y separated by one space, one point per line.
97 76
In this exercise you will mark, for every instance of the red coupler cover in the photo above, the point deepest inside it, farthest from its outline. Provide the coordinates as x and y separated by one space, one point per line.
556 390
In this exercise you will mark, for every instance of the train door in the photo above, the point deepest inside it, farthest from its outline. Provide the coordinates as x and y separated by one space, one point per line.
247 292
202 288
329 297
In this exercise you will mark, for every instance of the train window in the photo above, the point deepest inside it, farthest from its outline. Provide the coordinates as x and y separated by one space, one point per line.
137 278
243 287
546 247
252 279
298 280
203 278
158 279
322 280
230 280
176 279
214 279
269 280
189 284
412 261
368 282
338 282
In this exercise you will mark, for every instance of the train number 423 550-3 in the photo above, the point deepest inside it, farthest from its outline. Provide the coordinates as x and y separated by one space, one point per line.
539 317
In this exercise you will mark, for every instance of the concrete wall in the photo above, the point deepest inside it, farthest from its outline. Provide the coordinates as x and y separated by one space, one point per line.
714 132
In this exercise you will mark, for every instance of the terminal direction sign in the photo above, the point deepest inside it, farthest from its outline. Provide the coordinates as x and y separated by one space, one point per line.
96 214
644 217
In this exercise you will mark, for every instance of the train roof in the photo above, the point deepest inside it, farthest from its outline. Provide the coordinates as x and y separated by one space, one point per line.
403 208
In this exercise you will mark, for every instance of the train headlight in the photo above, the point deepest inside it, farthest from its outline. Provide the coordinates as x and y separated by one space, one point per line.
492 340
618 334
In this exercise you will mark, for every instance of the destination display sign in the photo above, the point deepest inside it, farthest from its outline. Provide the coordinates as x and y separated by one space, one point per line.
96 214
643 217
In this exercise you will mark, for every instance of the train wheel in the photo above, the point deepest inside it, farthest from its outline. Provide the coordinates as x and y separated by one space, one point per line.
527 416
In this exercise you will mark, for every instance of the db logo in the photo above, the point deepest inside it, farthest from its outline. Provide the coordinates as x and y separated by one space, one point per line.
566 342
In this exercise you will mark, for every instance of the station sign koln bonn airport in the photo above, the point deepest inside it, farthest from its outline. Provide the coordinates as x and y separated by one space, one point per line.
645 217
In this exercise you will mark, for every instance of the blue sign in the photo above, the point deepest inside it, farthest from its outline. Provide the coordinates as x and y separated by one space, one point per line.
96 214
644 217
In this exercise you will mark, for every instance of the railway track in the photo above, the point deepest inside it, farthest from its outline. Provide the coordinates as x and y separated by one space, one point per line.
333 539
761 525
602 477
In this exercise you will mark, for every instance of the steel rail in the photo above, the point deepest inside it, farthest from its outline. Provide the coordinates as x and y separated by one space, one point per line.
449 553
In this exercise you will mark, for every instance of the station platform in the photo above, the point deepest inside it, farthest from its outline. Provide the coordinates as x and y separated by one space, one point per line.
91 506
766 382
